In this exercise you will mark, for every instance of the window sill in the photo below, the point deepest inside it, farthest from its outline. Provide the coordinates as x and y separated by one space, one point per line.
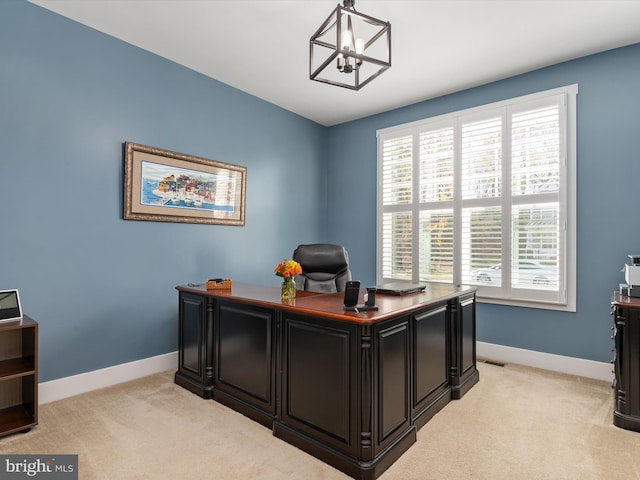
569 307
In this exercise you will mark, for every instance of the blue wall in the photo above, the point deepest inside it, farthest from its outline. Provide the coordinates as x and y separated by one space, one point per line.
608 122
102 288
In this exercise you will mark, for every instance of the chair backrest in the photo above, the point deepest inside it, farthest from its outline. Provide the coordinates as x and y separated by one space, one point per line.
325 267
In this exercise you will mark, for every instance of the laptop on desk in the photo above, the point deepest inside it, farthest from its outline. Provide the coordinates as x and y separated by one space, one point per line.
400 288
10 308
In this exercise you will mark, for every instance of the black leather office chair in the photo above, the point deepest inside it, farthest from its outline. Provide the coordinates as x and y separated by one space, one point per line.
325 267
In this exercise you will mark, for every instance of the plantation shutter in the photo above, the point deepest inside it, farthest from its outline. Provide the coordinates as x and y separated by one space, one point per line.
436 222
482 197
397 198
481 192
537 153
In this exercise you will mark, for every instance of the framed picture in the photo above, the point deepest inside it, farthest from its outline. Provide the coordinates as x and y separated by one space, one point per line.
165 186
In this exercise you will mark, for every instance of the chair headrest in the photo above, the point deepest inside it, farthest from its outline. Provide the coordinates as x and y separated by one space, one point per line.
321 257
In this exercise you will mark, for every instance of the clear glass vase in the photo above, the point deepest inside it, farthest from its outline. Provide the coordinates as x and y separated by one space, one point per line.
288 288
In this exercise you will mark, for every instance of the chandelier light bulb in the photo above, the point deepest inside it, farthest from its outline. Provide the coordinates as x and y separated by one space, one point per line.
346 40
359 50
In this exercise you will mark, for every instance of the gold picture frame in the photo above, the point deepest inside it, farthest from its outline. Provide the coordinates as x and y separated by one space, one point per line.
165 186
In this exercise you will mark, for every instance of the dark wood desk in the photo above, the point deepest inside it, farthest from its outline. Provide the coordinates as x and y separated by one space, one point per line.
626 317
349 388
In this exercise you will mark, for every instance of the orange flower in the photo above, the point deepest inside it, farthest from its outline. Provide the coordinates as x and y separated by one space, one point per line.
288 268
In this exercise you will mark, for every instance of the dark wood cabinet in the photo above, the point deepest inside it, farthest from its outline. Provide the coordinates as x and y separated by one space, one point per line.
391 388
431 362
463 362
319 382
350 388
245 359
626 314
18 376
195 344
226 351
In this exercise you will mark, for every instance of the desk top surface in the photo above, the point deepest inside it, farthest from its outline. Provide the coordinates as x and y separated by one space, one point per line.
625 301
330 305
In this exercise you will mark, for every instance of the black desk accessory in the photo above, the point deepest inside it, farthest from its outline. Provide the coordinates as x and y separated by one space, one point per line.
351 294
10 306
401 288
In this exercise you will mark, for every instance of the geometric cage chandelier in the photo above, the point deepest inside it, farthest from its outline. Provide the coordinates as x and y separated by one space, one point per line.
349 49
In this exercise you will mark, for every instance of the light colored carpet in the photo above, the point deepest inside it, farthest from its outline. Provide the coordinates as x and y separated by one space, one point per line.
517 423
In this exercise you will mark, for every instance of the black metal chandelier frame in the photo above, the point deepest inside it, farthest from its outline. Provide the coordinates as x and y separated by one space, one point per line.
349 58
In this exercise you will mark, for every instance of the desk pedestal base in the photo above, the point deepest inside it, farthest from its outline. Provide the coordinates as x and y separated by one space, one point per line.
356 469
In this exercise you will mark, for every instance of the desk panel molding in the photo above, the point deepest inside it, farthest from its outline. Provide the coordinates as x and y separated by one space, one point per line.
366 388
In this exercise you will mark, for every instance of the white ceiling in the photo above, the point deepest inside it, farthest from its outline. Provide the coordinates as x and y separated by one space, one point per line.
438 46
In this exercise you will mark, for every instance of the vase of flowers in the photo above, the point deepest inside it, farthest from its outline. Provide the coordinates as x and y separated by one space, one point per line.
288 269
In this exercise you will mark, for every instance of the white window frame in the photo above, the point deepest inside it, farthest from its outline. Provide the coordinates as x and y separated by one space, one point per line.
565 298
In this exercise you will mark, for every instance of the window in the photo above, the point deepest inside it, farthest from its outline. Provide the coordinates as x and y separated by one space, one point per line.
484 197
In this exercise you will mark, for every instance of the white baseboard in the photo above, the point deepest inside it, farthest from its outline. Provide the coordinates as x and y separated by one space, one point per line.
546 361
86 382
105 377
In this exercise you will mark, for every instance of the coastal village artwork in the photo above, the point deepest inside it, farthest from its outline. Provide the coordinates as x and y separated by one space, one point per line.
183 188
165 186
